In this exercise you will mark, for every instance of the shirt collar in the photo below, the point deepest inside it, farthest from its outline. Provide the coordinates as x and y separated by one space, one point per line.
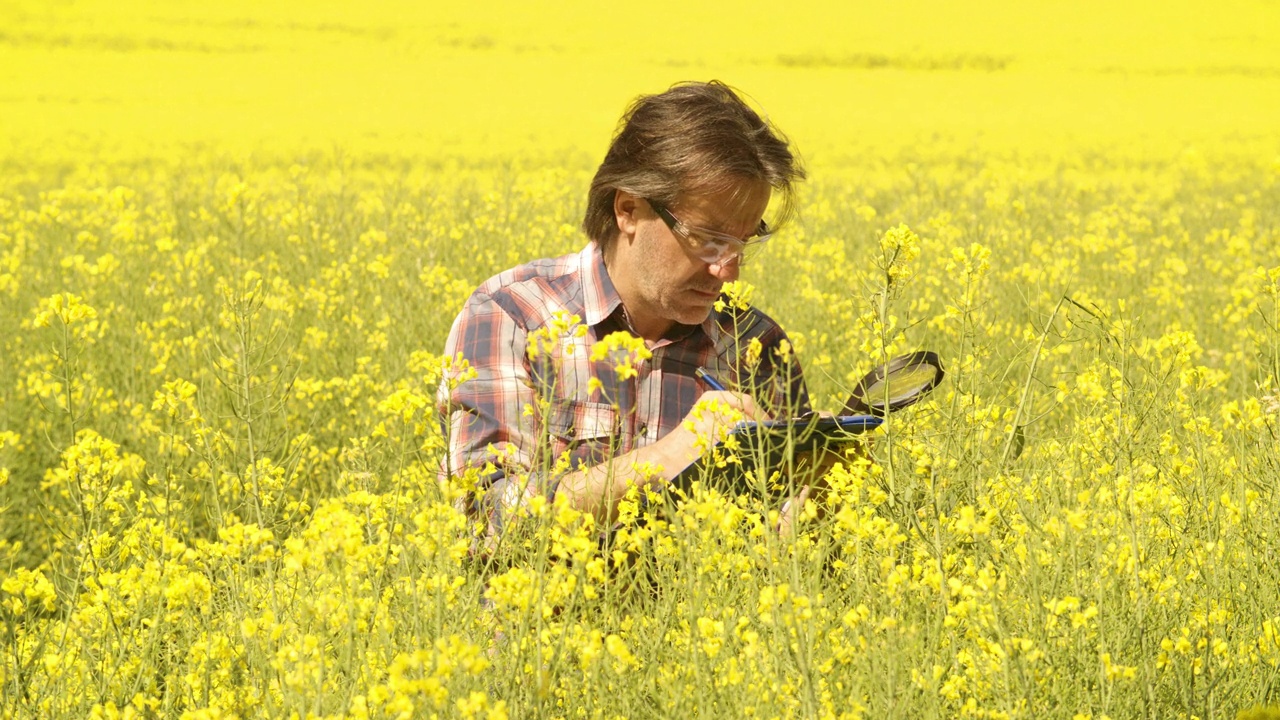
599 297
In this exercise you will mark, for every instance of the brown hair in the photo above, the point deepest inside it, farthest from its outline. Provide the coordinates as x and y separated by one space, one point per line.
695 137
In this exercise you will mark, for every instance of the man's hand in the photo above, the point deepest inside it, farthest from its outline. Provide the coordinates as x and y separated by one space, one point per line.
717 411
711 417
789 513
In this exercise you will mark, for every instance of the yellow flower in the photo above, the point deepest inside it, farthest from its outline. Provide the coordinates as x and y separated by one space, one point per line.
736 294
899 247
623 659
625 351
28 586
68 308
556 337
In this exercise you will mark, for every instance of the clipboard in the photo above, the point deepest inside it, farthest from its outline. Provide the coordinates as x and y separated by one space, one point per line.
757 457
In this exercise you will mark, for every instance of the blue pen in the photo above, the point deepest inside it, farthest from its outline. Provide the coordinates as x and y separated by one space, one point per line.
709 379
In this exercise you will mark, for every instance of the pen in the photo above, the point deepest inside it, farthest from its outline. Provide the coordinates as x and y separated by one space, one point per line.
709 379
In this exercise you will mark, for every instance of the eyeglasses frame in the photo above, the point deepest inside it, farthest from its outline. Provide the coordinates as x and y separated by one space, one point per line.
705 238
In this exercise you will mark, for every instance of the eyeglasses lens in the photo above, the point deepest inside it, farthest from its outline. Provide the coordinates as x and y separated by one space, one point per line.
711 247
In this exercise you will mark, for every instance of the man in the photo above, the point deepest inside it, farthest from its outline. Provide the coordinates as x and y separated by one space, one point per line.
679 200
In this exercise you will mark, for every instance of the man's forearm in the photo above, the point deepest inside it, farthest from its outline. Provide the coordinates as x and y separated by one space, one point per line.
598 489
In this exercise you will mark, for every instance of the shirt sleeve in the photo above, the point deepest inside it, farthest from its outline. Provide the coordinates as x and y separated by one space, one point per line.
484 416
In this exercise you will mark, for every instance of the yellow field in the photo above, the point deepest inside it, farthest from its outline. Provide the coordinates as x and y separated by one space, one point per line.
233 237
510 77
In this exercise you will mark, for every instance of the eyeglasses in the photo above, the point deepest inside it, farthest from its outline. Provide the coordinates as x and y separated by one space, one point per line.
709 246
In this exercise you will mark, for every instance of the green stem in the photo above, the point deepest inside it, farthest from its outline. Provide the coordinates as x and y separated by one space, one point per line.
1026 387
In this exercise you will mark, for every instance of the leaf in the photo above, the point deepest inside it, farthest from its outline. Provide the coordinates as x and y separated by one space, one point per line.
1019 441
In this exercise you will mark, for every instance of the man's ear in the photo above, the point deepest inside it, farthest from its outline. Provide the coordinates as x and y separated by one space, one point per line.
625 208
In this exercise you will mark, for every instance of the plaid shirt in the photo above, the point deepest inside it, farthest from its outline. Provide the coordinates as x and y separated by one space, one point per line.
529 416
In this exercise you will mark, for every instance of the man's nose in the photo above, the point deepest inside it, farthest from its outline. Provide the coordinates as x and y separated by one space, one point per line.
725 270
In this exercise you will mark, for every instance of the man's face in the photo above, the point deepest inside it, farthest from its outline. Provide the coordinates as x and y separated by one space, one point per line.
659 281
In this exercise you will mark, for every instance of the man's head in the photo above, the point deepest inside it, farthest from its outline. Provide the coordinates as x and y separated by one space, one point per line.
696 138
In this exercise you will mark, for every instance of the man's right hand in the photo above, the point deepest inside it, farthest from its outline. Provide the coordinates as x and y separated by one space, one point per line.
710 419
718 410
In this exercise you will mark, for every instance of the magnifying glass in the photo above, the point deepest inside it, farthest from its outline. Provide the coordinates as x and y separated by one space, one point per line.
766 446
898 383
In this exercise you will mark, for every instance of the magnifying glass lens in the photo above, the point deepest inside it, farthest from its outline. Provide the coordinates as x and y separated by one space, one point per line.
902 384
896 384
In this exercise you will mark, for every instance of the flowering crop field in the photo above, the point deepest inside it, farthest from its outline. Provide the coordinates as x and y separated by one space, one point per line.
233 239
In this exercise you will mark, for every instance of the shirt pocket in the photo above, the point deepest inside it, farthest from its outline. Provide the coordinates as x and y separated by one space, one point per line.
587 431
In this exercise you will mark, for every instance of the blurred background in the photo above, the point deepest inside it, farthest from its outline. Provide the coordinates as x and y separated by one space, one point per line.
490 79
